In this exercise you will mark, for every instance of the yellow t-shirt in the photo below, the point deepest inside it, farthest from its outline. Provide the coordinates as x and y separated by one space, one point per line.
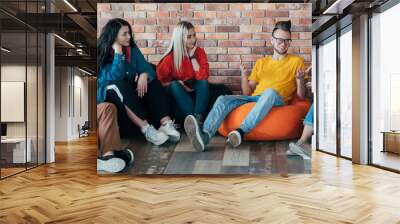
279 75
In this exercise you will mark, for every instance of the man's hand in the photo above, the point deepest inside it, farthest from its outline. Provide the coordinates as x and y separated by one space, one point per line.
301 73
243 70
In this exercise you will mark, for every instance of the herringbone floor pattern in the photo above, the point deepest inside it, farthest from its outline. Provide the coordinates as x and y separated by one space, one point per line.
70 191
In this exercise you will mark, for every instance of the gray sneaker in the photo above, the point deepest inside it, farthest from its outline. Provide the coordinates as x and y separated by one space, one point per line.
295 149
198 139
110 164
154 136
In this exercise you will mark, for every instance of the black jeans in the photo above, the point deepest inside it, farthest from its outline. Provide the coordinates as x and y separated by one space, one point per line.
153 106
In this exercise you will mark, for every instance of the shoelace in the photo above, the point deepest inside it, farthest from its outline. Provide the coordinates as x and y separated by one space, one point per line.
172 123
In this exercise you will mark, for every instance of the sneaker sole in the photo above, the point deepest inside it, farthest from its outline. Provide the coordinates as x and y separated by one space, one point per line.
132 156
295 150
234 140
193 132
113 165
173 138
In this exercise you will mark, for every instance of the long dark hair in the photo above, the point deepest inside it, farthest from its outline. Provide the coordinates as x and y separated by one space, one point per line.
107 38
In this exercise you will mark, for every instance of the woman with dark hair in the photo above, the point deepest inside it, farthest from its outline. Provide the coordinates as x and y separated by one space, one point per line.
184 71
127 80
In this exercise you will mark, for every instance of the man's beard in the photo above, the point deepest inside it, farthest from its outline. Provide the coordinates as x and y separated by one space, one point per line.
281 52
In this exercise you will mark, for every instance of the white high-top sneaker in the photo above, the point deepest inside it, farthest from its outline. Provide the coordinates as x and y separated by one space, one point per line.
169 129
153 135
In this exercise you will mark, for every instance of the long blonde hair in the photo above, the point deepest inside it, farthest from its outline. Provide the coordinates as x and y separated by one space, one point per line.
177 44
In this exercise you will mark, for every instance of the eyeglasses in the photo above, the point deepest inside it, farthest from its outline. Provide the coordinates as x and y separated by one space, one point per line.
280 40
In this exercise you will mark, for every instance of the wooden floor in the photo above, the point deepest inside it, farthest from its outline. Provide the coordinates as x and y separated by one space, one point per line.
70 191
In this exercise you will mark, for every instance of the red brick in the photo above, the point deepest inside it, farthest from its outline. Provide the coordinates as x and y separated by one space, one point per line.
264 6
157 14
262 21
307 57
141 43
294 50
215 50
144 36
250 29
262 50
282 6
151 21
213 74
225 57
196 22
164 36
254 13
205 14
169 7
181 14
239 36
268 28
156 29
301 28
240 6
295 35
269 13
238 21
138 29
212 57
145 7
148 50
228 29
306 35
192 6
305 50
122 7
216 36
239 50
207 43
218 65
229 72
262 36
228 14
154 57
134 14
251 57
297 6
229 43
103 7
216 6
206 29
161 50
301 43
236 65
300 13
200 36
253 43
301 21
168 21
111 14
215 21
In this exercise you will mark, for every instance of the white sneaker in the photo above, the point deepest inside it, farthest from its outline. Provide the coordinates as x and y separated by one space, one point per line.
153 135
169 129
295 149
110 164
234 138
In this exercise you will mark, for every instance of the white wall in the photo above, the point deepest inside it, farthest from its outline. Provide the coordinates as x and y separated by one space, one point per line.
70 83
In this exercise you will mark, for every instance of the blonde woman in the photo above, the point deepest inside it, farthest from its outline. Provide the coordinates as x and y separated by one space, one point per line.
184 70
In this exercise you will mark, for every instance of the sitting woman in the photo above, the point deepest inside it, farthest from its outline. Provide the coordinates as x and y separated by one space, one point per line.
184 71
127 80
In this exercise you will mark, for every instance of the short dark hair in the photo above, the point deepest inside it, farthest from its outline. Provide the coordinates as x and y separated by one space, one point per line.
283 25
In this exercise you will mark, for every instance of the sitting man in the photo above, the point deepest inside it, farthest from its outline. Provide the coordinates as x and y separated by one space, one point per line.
112 157
272 82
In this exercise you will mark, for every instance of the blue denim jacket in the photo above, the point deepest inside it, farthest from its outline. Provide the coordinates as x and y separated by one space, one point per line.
120 69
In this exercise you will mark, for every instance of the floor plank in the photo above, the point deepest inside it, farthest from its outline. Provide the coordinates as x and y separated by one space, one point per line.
70 191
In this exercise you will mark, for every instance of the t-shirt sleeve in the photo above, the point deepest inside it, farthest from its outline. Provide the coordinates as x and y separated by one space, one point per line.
254 76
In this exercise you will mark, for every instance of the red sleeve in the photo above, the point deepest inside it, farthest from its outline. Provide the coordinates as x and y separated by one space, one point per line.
201 58
164 69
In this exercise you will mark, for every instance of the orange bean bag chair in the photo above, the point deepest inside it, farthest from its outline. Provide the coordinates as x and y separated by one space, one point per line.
281 123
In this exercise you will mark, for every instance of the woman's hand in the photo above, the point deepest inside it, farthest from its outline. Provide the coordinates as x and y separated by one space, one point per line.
195 65
142 84
117 47
187 89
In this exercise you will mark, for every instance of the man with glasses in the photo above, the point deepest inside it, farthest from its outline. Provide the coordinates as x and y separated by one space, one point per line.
272 83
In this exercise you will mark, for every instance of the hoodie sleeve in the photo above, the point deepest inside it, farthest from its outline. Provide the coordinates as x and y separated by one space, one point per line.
164 69
201 58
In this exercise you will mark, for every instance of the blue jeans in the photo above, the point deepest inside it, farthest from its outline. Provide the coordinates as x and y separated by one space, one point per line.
225 104
185 101
309 120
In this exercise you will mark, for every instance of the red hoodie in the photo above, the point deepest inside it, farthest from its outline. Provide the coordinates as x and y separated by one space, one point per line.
166 71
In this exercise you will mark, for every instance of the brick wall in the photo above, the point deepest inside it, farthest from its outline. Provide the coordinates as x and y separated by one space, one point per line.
227 31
